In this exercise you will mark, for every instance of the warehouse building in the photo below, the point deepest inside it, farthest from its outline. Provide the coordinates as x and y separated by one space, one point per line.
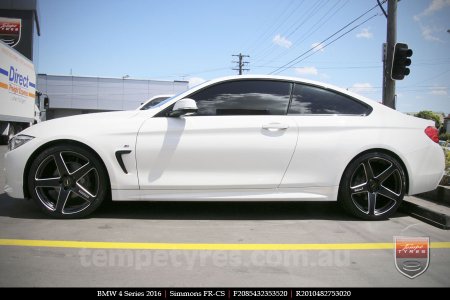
73 95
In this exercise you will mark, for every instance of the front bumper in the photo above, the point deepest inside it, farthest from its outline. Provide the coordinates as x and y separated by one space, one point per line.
15 162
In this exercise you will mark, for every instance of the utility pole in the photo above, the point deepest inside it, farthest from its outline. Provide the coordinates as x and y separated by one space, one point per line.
241 63
388 56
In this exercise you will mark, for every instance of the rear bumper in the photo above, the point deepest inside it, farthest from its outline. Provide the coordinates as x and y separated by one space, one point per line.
426 168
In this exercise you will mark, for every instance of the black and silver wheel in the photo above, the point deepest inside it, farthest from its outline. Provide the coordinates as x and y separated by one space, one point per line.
373 186
67 181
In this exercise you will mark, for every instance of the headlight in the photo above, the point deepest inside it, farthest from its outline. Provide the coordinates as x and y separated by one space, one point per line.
18 141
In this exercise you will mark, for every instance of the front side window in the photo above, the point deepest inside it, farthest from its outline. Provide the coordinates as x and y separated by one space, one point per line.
244 97
311 100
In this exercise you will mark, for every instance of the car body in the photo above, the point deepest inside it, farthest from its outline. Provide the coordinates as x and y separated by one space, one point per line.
246 138
153 101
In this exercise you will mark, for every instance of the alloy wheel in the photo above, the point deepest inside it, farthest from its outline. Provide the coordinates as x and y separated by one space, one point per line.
66 182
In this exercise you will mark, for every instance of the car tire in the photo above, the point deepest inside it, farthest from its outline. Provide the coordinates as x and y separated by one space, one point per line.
67 181
372 186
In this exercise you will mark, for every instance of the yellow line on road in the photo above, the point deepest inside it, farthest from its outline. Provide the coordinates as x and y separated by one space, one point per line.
190 246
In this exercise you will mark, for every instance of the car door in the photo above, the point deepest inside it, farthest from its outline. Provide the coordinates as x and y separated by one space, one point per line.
331 126
240 138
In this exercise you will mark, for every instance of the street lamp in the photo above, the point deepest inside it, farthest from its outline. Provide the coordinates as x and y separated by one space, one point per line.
125 76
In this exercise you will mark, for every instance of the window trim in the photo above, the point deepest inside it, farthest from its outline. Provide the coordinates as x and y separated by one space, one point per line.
163 113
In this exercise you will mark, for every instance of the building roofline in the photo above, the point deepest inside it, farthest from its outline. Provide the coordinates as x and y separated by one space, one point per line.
117 78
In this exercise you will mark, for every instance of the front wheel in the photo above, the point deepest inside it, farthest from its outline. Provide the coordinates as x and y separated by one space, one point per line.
373 186
67 181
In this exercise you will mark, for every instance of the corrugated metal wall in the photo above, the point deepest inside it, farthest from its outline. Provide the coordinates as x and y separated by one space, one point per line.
95 93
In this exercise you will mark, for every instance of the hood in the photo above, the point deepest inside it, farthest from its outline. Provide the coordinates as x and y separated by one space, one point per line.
88 124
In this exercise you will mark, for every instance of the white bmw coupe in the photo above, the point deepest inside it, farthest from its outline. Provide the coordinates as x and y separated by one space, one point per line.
239 138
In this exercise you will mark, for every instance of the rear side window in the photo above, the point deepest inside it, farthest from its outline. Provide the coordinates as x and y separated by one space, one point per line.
311 100
244 97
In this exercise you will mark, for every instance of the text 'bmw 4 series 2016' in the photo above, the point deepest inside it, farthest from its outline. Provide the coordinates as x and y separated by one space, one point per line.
239 138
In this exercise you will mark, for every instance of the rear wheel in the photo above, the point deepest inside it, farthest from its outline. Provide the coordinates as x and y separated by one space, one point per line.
373 186
67 181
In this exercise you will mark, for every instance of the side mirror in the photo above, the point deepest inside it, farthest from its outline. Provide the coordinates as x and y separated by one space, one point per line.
46 103
184 107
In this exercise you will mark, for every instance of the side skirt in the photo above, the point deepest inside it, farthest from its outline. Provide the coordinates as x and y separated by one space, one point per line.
285 194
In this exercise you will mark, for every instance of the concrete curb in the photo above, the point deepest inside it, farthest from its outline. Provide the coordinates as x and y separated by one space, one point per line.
431 207
441 195
427 215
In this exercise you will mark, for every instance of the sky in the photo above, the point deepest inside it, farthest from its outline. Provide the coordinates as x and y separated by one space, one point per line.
332 41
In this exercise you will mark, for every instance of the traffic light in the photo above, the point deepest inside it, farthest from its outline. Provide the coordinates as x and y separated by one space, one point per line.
401 61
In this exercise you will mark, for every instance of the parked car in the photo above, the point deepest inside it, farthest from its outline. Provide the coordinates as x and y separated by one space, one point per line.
247 138
152 102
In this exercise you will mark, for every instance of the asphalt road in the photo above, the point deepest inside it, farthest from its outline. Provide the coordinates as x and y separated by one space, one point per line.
208 244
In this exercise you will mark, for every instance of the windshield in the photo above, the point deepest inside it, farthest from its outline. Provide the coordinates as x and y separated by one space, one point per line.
153 103
165 101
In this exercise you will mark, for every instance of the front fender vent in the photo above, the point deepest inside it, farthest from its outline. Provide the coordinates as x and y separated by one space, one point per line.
119 154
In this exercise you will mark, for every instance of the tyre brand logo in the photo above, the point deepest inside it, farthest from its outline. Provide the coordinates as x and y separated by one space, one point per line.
83 194
412 255
10 31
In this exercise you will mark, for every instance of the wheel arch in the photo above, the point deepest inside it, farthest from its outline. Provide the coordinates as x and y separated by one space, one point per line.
56 143
385 151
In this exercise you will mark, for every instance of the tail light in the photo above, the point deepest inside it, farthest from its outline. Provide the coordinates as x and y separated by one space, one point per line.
432 133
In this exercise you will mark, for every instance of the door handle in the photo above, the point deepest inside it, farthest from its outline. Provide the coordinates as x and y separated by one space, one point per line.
275 126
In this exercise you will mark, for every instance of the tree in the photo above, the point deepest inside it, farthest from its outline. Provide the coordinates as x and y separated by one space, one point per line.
429 115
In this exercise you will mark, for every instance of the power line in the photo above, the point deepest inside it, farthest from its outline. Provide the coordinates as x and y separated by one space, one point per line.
423 64
315 9
322 45
315 27
435 76
269 31
317 48
309 13
325 68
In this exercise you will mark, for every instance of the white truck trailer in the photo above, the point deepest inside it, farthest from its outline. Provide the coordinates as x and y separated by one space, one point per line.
19 106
